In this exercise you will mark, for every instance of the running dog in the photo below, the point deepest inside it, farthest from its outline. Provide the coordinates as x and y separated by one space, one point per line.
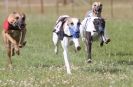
14 30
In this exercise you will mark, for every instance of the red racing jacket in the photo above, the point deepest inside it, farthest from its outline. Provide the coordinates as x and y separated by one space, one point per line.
7 26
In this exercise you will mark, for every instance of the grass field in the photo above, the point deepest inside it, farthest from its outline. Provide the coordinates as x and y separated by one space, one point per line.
38 66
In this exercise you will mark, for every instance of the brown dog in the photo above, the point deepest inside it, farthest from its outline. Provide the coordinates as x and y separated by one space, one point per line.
14 30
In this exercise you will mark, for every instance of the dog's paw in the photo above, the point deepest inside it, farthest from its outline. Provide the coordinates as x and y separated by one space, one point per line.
107 41
101 43
89 61
23 44
17 52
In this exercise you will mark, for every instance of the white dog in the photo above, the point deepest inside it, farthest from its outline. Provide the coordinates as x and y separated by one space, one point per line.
91 27
66 30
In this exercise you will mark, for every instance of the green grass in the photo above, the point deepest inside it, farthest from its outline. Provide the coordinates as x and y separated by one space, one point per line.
38 66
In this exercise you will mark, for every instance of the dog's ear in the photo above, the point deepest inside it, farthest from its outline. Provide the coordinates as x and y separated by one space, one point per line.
101 5
79 23
23 16
68 21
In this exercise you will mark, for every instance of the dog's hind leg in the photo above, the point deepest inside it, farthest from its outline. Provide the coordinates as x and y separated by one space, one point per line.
8 48
9 53
55 41
12 50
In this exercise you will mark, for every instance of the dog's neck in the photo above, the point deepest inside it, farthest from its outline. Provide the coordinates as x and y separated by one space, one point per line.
97 15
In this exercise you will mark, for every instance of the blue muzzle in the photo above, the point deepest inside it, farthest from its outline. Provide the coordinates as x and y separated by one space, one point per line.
74 30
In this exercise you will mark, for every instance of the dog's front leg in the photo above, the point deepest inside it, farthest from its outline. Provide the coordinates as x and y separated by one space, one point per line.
10 38
89 46
55 41
64 43
13 42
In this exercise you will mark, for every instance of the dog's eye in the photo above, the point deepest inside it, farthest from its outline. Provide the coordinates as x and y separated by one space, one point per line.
72 23
94 5
16 17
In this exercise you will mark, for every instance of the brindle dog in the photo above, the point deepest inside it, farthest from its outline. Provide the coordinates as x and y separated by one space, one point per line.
14 37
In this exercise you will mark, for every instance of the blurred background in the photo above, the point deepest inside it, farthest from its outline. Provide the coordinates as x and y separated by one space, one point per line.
112 9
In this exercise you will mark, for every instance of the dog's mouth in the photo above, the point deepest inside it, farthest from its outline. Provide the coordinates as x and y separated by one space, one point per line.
97 10
21 26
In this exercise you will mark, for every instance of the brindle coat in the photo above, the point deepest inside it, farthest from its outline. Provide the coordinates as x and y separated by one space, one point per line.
13 38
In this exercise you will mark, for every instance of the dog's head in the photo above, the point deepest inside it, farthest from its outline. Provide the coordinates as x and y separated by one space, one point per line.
97 8
17 20
74 24
13 18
